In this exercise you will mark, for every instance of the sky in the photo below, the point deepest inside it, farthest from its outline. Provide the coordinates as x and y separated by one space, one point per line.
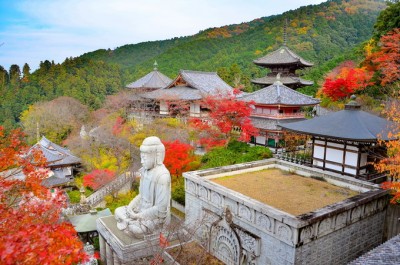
36 30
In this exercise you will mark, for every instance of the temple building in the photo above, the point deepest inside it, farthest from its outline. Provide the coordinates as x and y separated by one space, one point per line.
284 62
189 87
60 161
275 105
346 141
139 106
152 81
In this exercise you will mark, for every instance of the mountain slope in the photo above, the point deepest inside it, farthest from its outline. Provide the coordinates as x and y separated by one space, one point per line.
316 32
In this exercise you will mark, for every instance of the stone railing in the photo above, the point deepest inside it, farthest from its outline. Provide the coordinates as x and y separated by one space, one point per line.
290 229
110 188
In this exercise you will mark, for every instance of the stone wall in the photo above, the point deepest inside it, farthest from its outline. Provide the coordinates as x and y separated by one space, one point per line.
240 230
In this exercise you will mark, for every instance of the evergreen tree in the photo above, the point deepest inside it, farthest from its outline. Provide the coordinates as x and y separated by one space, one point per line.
26 72
15 74
388 19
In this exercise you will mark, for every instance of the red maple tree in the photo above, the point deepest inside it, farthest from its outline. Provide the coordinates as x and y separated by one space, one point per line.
178 157
98 178
346 83
228 119
31 230
386 59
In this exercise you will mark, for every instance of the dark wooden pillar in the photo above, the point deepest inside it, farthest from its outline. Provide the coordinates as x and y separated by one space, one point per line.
325 145
344 157
312 150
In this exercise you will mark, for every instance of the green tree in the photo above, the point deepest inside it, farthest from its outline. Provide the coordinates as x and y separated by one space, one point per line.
3 77
388 19
15 74
26 72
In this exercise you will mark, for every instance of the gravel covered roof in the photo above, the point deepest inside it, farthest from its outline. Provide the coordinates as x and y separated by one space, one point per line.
196 85
283 55
55 154
154 80
347 124
286 80
279 94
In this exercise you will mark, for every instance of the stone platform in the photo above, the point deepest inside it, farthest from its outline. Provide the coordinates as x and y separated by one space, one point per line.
118 248
238 228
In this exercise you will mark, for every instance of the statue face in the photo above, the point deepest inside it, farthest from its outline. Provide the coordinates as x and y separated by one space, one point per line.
147 159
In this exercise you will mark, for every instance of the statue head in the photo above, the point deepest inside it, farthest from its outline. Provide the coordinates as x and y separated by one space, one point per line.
152 152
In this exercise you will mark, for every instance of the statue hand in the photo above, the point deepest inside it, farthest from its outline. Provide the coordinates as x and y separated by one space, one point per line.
133 215
136 216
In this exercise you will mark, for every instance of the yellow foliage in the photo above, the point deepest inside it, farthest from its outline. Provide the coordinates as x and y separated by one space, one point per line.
102 160
171 122
137 138
258 52
303 30
369 47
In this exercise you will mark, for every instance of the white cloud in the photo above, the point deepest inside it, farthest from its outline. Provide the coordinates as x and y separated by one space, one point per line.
56 29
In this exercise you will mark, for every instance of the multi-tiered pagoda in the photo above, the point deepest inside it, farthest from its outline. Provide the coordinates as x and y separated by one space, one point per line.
283 62
273 106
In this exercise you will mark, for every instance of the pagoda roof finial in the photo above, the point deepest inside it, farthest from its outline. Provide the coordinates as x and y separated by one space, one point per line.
155 65
285 32
352 104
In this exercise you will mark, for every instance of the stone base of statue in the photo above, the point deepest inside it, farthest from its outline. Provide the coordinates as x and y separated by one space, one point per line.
119 248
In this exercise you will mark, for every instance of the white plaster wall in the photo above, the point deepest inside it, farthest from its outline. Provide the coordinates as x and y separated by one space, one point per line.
195 109
260 139
334 155
350 170
351 159
335 145
163 107
332 166
318 152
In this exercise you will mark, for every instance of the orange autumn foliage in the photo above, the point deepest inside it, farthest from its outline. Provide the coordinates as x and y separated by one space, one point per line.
391 164
386 59
31 231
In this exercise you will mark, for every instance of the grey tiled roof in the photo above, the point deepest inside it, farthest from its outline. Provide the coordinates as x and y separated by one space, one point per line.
154 79
206 82
286 80
386 254
55 154
270 124
55 181
197 85
283 55
279 94
348 124
174 93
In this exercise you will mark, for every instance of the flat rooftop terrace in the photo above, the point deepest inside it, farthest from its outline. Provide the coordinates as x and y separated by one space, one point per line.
285 190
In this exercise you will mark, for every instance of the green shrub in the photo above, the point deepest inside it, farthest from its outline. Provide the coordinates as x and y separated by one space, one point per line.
178 191
120 200
75 195
236 152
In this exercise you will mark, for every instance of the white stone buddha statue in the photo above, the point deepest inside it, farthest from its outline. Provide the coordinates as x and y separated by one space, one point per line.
150 209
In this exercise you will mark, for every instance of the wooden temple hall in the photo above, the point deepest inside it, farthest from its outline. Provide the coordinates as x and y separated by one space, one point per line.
346 141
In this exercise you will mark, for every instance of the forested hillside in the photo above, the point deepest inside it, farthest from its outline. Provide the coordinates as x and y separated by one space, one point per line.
325 34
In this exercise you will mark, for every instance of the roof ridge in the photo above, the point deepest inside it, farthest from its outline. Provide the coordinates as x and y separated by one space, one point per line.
198 72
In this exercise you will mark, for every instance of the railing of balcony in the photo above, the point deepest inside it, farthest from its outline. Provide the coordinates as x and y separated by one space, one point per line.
279 115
